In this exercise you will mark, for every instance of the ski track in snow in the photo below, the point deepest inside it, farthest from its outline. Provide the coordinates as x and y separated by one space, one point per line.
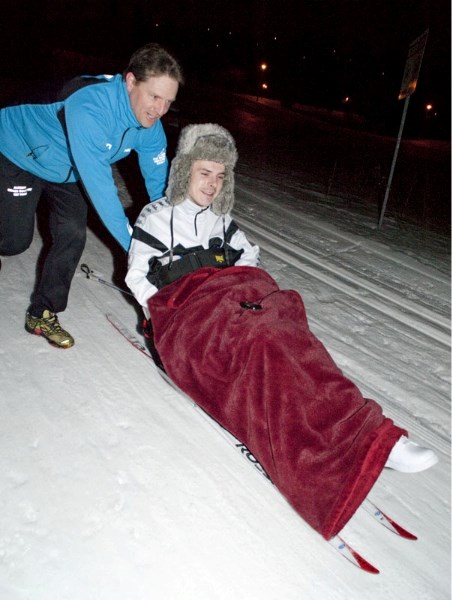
401 309
114 488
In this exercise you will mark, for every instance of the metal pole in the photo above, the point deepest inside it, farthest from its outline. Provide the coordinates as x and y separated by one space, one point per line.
90 274
394 160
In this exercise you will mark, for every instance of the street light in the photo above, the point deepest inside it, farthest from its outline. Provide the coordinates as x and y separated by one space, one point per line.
263 67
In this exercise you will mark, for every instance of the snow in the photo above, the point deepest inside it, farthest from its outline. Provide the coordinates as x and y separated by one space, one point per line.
114 488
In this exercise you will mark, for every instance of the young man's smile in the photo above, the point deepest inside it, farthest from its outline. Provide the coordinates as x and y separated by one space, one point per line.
206 181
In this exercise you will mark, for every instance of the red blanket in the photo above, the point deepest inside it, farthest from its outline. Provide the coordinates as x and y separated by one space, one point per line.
266 378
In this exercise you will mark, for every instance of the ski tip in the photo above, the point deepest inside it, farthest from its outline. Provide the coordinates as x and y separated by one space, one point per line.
389 523
401 531
352 555
365 565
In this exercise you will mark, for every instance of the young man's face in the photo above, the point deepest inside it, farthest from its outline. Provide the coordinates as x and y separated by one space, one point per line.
151 99
206 181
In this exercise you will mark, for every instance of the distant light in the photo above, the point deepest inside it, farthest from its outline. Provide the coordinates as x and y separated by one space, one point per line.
429 107
346 100
263 66
264 86
156 24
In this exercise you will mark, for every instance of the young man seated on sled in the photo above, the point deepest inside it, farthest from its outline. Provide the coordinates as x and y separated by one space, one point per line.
242 348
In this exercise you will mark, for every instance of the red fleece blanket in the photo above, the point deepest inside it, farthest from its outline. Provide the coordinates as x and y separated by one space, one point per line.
266 378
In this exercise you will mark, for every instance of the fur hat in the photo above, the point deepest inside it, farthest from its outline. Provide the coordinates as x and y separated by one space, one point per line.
203 142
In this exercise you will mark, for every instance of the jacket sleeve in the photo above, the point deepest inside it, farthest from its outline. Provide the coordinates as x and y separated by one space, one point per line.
143 247
153 161
250 256
138 268
87 131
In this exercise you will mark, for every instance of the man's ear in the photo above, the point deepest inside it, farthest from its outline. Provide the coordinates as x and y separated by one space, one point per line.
130 81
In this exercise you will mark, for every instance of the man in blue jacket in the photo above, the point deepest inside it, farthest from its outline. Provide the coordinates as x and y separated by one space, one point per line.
64 150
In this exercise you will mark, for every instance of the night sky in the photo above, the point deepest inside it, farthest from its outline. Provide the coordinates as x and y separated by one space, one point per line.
342 54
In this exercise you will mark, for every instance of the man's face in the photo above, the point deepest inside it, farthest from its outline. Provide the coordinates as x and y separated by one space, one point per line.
151 99
206 181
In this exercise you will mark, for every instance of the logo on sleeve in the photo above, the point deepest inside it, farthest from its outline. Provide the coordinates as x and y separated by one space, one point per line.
160 158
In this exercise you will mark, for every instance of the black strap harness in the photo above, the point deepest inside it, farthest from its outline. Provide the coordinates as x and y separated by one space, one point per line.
219 255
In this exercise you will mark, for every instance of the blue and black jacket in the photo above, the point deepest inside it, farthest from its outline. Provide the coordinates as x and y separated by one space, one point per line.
80 137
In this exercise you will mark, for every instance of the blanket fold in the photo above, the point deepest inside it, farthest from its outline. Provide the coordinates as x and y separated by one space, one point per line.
261 373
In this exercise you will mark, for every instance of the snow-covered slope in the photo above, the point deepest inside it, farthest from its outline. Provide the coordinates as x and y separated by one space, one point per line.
113 488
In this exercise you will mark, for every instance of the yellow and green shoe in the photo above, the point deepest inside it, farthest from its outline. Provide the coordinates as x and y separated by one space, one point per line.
49 326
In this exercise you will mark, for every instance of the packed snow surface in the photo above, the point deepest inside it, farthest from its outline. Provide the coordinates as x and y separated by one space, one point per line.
114 488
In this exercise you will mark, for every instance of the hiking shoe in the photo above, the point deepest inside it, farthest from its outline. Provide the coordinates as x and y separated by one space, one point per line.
408 457
49 326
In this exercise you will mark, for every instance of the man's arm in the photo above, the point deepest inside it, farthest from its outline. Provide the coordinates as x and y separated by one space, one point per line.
250 255
151 227
154 163
90 153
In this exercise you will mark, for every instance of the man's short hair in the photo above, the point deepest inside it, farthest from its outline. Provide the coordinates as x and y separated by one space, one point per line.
152 60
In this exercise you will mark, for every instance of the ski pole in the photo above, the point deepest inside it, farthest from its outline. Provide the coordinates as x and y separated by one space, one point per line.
91 275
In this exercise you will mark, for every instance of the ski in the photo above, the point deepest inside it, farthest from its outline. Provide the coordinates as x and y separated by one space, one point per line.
351 555
336 542
386 521
129 336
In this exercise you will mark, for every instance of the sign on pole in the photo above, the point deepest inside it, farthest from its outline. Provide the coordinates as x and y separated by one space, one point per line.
409 83
413 65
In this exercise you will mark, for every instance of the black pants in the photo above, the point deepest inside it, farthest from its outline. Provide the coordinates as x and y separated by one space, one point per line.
20 193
